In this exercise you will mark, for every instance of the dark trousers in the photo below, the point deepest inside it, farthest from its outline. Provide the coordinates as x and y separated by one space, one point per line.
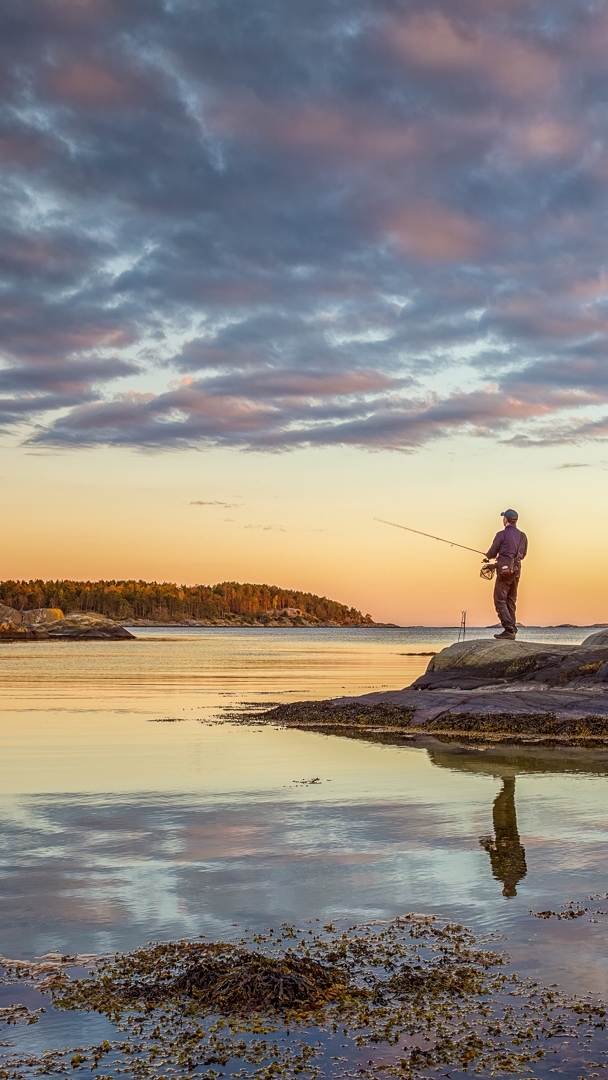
505 599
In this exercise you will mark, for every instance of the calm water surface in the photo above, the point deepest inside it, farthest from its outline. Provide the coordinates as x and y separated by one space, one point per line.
117 830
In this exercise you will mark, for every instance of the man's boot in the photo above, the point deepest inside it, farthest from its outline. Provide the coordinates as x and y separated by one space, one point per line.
507 635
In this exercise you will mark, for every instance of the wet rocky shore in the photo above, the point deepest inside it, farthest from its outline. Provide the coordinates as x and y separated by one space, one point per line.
495 690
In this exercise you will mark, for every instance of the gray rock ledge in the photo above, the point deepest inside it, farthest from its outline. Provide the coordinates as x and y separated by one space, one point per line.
483 677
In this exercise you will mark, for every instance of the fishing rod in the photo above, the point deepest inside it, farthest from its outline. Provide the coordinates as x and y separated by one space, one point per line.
452 543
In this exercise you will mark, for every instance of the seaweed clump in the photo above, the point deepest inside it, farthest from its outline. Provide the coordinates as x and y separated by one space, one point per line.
249 982
403 998
209 978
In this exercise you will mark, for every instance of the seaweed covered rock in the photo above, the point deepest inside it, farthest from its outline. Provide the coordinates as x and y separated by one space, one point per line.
499 689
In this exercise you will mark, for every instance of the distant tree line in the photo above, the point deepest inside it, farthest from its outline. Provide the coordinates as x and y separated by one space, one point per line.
172 603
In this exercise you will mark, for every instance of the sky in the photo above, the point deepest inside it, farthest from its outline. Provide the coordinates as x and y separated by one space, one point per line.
271 270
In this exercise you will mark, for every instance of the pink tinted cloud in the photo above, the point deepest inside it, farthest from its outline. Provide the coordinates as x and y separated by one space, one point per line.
342 132
209 416
235 293
484 407
334 130
547 138
66 341
554 316
302 384
396 422
66 378
86 84
23 148
90 337
35 252
222 410
592 288
281 383
432 232
590 45
199 354
77 11
517 68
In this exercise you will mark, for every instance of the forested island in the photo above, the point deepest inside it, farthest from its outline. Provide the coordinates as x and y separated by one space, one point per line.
151 602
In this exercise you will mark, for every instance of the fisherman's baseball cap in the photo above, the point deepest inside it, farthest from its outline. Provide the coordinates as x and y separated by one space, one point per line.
511 515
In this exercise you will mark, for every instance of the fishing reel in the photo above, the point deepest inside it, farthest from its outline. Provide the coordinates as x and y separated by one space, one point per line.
488 570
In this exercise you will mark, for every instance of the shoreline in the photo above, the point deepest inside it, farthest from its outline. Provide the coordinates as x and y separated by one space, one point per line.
302 623
487 691
274 624
397 725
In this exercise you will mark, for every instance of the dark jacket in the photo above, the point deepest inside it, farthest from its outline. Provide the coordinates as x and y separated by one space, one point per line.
509 543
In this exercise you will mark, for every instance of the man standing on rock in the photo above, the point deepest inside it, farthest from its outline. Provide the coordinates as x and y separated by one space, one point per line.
509 547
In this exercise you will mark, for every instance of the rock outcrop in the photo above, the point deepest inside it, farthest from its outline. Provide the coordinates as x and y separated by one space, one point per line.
9 616
42 624
477 679
41 616
512 691
601 638
88 625
473 664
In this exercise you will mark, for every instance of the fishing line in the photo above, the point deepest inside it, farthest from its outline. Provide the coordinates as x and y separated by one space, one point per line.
452 543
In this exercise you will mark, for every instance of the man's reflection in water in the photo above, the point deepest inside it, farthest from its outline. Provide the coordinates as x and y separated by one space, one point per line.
505 849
